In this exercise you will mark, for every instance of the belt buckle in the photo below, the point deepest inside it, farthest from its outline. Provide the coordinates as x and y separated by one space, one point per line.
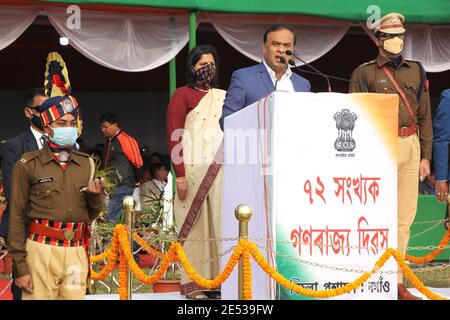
69 235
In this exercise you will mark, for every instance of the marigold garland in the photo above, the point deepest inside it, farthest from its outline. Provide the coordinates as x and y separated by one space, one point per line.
123 280
247 276
140 275
413 278
100 257
262 262
146 246
111 260
120 246
221 278
430 256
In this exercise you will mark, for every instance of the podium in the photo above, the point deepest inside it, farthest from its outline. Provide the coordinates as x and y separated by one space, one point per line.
320 172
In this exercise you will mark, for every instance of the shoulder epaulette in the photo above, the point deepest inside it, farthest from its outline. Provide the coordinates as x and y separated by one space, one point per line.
368 62
29 156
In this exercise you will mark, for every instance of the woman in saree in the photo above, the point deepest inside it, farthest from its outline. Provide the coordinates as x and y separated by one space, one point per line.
194 137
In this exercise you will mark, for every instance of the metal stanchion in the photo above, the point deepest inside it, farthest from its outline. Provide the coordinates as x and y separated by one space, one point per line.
243 213
128 205
92 285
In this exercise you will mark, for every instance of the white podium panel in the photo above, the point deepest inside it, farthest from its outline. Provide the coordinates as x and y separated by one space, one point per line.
320 171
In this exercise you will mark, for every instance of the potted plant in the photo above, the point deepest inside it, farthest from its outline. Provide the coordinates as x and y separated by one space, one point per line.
157 226
162 240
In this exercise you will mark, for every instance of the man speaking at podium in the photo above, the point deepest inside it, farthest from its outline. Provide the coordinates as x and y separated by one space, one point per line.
250 84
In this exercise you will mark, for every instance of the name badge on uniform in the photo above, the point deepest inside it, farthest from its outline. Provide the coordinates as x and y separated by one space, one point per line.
42 180
382 80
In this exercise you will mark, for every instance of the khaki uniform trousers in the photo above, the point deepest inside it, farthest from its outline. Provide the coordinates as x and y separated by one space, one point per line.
59 273
408 190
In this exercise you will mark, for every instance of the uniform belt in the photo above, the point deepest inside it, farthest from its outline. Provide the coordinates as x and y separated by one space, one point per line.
58 234
404 132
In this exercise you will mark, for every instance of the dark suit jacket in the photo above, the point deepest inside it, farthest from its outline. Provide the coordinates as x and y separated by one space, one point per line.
441 138
12 150
248 85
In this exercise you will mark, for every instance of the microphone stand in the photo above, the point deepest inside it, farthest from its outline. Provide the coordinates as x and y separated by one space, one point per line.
317 72
292 63
282 60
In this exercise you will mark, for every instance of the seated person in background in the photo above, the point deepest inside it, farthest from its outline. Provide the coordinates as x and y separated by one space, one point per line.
154 189
145 172
157 193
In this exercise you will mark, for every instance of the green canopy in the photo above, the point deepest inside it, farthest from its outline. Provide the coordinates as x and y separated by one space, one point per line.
415 11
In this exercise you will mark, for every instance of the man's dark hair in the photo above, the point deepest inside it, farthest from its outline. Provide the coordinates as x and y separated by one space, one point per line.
109 117
194 55
31 94
277 27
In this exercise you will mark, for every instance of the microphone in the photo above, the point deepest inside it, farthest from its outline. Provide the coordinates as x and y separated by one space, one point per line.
282 60
317 72
292 63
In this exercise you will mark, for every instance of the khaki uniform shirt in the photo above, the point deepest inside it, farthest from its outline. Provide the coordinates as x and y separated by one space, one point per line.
41 188
369 77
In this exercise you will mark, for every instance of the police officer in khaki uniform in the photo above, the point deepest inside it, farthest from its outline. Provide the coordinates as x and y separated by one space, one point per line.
55 186
391 73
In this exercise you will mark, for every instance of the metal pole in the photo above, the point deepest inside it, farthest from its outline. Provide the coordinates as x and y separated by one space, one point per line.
93 252
172 76
128 205
172 67
192 29
243 213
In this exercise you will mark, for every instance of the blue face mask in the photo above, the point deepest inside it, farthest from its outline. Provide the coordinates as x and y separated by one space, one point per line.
65 136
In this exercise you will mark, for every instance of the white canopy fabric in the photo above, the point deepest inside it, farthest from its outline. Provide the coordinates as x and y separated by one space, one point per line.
14 20
125 41
315 37
430 45
141 41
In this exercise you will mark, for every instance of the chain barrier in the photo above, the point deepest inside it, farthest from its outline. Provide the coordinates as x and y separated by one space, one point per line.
121 247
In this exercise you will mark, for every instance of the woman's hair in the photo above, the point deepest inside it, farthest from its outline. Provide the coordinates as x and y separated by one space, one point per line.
194 55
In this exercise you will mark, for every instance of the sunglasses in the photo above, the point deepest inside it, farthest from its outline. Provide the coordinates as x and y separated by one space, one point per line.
385 36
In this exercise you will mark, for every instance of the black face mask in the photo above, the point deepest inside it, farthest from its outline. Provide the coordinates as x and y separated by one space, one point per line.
36 121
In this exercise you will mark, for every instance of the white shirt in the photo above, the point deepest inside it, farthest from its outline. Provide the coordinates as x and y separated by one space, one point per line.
37 135
285 82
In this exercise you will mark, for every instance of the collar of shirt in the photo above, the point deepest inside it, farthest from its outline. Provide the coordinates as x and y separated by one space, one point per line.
47 156
287 74
115 135
160 184
37 135
382 60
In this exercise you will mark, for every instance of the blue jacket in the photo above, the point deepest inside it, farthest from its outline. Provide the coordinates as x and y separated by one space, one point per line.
441 138
12 150
248 85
